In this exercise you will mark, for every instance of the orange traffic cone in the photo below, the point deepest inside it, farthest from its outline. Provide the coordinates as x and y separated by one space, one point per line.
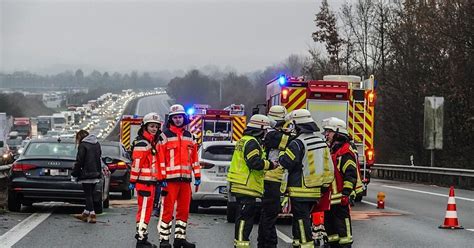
451 218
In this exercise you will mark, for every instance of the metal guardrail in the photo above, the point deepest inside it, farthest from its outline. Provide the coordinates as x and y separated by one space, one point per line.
4 170
436 175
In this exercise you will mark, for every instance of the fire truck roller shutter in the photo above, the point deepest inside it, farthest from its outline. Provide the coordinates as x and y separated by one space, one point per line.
322 109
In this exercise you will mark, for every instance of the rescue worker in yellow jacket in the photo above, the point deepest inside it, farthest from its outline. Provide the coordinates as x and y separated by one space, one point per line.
246 174
275 141
347 178
308 161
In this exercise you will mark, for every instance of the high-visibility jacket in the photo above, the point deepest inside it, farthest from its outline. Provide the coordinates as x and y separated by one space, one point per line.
179 155
347 176
308 161
275 141
145 167
247 167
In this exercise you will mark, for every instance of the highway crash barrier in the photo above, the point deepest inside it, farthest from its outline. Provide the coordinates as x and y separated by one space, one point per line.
461 178
4 173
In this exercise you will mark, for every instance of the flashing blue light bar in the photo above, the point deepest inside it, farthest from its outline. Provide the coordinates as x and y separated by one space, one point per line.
282 80
190 111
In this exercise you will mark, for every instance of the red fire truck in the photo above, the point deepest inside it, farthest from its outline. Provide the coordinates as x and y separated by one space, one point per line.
207 124
343 96
129 126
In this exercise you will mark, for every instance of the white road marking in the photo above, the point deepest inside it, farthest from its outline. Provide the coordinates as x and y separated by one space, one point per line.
429 193
472 230
370 203
19 231
283 237
389 208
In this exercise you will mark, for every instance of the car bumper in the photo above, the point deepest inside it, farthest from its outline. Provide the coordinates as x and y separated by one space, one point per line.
211 191
119 180
40 191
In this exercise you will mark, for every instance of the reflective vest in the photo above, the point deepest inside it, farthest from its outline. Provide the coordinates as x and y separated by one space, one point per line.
277 174
244 180
317 167
145 168
340 166
179 152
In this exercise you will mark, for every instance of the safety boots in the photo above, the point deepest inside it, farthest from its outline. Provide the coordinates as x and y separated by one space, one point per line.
145 244
182 243
165 244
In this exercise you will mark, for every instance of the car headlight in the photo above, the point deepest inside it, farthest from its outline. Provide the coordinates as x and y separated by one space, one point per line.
5 155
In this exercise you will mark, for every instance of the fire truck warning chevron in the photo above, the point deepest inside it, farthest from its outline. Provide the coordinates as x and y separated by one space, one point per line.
346 97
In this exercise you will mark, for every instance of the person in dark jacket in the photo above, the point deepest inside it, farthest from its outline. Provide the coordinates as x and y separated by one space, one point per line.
88 171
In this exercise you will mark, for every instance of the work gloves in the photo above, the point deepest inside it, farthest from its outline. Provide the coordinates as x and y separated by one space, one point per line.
347 200
131 186
197 181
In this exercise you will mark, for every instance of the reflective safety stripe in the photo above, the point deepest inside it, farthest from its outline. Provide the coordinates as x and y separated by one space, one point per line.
348 238
283 142
348 184
242 189
296 243
290 154
253 153
146 178
333 238
165 231
241 230
318 169
171 158
178 167
348 163
302 232
241 244
307 245
266 164
304 192
141 148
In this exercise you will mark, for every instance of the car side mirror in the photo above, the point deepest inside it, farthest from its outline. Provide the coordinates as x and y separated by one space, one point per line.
108 160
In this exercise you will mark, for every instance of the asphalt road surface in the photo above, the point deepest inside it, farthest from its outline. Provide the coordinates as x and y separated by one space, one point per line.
411 218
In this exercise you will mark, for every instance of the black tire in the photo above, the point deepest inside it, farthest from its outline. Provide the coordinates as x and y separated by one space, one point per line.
14 202
358 198
127 194
231 212
194 207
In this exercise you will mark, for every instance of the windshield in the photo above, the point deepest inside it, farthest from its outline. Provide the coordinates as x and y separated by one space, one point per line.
51 149
21 128
219 153
59 120
14 142
110 150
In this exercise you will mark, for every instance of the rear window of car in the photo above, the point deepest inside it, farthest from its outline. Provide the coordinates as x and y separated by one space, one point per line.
218 153
51 149
110 150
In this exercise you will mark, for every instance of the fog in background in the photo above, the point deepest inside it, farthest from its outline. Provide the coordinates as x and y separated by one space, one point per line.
53 36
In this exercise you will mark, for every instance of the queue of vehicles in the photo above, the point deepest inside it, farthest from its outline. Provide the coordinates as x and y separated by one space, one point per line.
42 170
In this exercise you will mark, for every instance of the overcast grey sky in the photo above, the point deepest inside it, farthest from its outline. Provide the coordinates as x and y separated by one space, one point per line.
154 35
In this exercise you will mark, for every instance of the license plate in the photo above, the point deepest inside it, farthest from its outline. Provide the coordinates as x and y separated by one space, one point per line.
223 190
57 172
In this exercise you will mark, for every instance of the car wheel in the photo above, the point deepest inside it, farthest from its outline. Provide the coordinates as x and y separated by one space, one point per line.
127 194
14 203
194 207
231 211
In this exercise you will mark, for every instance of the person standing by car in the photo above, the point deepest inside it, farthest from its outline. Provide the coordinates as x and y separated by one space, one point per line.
180 158
146 173
246 175
88 171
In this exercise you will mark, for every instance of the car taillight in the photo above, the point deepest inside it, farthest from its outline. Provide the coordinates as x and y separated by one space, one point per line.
23 167
370 156
205 165
121 165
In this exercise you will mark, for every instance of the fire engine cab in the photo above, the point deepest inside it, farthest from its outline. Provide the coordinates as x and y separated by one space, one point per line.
207 124
343 96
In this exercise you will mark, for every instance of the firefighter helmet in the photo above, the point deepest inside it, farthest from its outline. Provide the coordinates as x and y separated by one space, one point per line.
151 118
301 116
177 109
335 124
277 113
259 121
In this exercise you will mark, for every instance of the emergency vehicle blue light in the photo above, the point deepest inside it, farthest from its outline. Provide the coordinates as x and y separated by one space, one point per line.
282 80
190 111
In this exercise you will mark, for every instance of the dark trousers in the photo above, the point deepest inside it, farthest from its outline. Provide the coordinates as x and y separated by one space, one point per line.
301 211
156 202
337 222
89 192
246 211
267 236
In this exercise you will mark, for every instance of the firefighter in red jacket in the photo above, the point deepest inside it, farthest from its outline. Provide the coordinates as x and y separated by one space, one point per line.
337 219
181 161
146 173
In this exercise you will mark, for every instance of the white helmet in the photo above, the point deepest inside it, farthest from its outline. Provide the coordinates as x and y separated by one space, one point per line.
301 116
277 113
335 124
176 109
151 118
259 121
